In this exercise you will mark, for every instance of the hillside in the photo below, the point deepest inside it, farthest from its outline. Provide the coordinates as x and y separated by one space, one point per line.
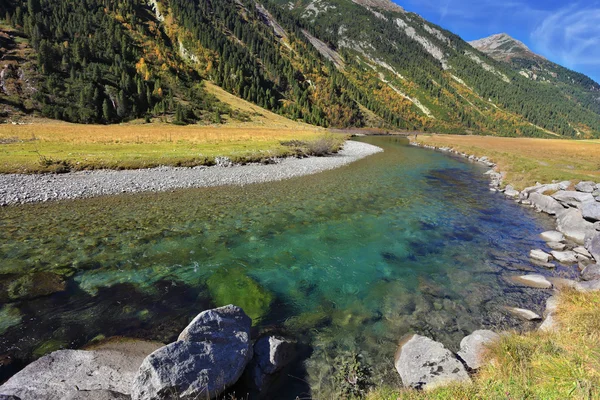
340 63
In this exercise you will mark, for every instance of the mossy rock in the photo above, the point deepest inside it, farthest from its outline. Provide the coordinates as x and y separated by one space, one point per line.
233 286
48 347
35 285
9 316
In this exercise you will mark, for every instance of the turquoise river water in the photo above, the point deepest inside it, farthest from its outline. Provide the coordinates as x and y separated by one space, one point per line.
346 262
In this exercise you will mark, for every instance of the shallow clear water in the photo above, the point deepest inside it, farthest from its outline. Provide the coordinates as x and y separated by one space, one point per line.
346 261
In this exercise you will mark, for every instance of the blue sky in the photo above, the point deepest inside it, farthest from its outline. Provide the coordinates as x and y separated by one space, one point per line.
566 32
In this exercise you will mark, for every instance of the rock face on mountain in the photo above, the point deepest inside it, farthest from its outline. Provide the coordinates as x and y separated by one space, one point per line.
502 47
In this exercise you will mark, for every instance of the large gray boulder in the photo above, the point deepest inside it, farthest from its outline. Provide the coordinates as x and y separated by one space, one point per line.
573 199
472 347
585 186
572 224
219 324
593 246
591 211
545 203
271 355
95 395
62 372
210 356
426 364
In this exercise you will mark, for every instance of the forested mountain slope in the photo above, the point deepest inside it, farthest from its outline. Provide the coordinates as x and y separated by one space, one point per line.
337 63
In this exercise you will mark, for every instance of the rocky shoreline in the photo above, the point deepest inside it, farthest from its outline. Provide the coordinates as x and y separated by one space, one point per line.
26 188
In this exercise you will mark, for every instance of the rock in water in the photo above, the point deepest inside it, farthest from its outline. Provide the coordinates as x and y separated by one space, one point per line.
540 255
210 356
271 354
472 347
552 236
533 280
556 246
57 374
426 364
565 257
219 324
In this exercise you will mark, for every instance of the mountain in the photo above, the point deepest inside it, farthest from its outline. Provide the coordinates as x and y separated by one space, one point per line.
337 63
521 59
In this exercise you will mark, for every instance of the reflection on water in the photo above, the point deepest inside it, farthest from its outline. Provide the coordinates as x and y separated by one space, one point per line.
347 261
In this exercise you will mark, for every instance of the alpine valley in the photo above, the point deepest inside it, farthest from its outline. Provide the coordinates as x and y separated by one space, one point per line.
337 63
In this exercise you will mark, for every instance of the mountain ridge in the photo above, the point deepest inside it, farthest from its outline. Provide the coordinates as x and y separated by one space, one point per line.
335 64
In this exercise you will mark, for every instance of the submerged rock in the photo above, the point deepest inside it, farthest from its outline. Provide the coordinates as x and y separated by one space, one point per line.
57 374
210 356
30 286
534 281
524 314
472 347
426 364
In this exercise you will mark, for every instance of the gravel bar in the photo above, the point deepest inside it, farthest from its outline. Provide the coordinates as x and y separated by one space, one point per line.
26 188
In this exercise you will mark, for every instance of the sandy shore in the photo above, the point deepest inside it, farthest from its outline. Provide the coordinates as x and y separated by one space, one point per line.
24 188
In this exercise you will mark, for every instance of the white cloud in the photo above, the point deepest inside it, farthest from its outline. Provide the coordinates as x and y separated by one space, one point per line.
570 35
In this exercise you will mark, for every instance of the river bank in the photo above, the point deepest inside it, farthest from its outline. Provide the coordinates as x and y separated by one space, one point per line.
27 188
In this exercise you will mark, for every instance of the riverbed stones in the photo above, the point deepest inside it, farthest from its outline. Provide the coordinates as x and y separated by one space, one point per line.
583 251
522 313
534 280
552 236
586 187
210 356
57 374
426 364
556 246
545 203
472 347
30 286
565 257
591 272
271 355
540 255
572 224
573 199
591 211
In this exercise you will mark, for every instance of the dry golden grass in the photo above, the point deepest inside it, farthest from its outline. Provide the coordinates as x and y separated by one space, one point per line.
526 160
537 365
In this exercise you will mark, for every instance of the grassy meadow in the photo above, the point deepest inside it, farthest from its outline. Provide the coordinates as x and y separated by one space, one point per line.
51 146
535 365
527 161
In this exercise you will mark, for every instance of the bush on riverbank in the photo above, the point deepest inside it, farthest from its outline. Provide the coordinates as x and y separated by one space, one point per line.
536 365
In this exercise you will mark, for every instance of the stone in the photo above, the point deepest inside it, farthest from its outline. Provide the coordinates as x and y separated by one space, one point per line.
191 370
588 286
556 246
524 314
593 246
590 211
585 186
551 305
573 199
209 357
591 273
510 192
571 223
30 286
472 347
426 364
271 354
545 203
552 236
533 280
539 255
562 283
219 324
96 395
583 251
565 257
549 324
57 374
